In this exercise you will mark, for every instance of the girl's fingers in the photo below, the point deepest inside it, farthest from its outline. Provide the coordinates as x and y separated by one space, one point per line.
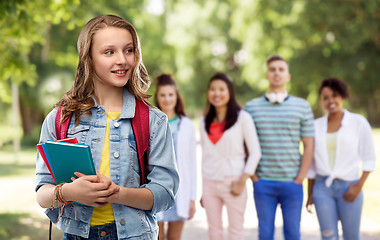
78 174
91 178
106 193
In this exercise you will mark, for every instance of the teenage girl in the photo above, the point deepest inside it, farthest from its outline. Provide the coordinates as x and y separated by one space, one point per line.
343 147
110 75
182 128
225 129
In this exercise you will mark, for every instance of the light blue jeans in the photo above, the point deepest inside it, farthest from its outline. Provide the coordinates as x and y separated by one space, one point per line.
267 195
331 208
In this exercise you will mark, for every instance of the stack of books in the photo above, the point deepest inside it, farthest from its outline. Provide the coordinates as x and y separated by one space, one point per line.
65 157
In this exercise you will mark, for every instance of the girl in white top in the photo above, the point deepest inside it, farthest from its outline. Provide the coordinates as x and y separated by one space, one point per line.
224 130
182 128
342 140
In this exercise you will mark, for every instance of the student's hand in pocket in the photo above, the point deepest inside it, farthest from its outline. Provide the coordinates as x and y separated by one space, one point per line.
237 187
255 178
352 193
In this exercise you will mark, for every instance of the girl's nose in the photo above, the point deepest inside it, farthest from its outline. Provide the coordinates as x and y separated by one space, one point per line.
121 58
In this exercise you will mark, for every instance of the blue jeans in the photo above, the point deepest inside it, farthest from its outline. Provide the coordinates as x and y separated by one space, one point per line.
102 232
331 208
267 195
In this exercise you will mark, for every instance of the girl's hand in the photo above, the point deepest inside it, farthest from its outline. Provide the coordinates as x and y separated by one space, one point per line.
352 193
192 209
113 188
309 204
237 187
88 189
255 178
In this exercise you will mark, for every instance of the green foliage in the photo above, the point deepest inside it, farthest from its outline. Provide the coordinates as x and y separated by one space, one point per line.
194 39
328 39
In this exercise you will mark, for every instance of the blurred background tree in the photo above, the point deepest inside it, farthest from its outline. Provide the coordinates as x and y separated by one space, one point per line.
192 40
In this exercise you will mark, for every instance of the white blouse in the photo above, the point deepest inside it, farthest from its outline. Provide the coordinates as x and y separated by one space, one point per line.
226 157
354 145
187 166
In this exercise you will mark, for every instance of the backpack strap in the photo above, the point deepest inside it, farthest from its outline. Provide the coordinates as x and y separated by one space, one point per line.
61 129
140 125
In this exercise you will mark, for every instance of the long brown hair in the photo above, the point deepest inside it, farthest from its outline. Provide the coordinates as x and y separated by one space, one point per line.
79 99
233 107
167 80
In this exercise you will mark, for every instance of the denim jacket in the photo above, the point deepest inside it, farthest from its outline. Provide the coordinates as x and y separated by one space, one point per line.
162 178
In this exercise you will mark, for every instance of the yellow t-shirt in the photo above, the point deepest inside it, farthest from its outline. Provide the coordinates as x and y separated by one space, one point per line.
331 139
104 215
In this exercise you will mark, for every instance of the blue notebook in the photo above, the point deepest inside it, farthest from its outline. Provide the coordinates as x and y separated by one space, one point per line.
67 158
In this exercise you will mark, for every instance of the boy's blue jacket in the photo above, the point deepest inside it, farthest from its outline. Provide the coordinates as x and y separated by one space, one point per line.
162 178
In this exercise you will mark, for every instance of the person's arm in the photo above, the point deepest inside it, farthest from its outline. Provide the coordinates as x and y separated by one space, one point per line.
87 190
98 192
141 198
191 164
163 180
355 189
310 200
254 153
367 154
307 157
192 209
237 187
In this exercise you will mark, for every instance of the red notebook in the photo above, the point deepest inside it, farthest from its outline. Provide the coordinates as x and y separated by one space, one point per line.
41 151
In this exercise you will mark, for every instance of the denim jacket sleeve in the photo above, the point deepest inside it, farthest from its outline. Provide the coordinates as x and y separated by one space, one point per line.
163 176
47 133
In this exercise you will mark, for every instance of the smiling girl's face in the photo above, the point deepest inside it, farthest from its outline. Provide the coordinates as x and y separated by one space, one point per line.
332 102
167 98
113 57
218 93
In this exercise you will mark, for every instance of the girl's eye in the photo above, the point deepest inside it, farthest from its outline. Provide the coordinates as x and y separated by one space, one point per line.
109 52
128 51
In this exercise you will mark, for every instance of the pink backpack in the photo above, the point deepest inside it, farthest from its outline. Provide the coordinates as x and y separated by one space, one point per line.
140 125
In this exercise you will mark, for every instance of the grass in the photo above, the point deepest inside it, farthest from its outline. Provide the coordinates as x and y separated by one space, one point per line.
20 216
15 166
23 226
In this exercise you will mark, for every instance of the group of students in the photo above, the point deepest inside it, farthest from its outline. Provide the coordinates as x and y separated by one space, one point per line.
260 142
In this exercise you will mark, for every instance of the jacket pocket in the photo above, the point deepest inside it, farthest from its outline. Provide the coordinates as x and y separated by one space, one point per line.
80 132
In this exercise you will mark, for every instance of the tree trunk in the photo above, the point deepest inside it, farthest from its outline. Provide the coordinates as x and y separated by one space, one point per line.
16 122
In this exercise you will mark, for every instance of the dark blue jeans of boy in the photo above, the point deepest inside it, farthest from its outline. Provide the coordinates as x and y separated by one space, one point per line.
267 195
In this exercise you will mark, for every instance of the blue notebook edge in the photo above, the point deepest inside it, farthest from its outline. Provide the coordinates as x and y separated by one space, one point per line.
47 156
